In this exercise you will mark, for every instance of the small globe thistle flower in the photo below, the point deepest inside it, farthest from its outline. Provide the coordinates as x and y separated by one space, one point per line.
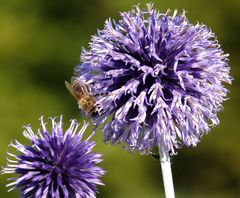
163 78
57 164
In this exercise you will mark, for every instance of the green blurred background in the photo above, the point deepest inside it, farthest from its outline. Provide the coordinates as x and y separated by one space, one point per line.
40 43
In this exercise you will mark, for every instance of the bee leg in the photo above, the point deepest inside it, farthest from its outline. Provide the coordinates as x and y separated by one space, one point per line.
94 114
102 94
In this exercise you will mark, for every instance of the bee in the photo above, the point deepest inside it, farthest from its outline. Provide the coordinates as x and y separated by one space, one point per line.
81 93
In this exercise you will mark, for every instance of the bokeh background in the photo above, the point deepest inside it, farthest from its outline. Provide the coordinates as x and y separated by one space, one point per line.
40 43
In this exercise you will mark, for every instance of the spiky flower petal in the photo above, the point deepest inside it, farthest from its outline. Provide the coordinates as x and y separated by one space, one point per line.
56 164
163 78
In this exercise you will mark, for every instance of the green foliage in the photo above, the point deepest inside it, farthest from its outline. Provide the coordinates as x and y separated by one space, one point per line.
40 43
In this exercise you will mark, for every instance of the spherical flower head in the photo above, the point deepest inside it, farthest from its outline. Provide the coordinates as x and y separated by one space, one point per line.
157 77
56 164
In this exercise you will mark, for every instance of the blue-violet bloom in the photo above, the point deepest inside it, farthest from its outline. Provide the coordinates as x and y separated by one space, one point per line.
56 164
157 78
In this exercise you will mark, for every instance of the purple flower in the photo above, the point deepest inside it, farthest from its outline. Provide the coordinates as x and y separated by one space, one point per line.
57 164
163 78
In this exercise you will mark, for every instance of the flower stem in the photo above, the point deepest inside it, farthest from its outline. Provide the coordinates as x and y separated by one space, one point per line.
166 173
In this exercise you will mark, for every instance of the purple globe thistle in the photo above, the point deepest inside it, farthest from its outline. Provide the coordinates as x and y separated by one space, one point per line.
57 164
163 78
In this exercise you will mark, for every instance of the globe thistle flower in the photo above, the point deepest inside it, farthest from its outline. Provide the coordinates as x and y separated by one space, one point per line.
157 77
57 164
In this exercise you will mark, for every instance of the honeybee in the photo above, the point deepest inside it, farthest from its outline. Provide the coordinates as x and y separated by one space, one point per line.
82 94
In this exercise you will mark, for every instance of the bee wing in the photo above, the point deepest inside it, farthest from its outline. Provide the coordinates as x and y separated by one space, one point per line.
70 89
84 87
73 79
